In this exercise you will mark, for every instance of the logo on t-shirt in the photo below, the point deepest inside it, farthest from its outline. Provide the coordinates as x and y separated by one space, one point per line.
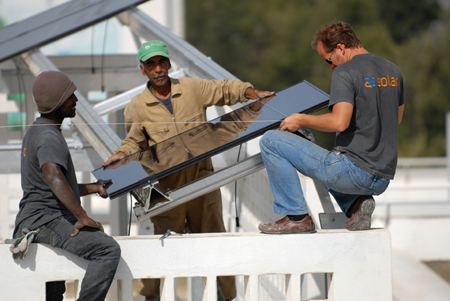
387 81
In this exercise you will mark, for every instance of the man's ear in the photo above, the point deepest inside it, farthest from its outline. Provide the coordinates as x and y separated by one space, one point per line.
341 46
142 70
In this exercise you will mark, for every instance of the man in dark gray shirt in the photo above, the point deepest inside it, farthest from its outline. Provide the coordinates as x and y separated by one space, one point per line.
366 103
51 195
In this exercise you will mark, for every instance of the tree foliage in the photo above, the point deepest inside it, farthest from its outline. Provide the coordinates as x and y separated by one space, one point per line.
267 42
414 16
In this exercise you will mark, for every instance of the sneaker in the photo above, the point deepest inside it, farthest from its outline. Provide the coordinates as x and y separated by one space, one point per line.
286 226
361 213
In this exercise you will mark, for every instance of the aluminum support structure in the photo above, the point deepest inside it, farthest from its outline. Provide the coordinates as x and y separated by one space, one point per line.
193 62
144 209
198 188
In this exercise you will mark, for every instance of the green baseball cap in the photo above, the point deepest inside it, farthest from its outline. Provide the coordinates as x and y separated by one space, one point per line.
151 49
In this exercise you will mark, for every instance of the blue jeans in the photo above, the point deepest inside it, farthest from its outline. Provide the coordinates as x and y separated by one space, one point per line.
284 153
102 251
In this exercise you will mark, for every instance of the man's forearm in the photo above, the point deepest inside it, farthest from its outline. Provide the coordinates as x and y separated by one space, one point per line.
98 187
323 123
336 121
86 189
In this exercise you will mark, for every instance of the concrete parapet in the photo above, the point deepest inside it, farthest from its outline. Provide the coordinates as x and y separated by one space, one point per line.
358 263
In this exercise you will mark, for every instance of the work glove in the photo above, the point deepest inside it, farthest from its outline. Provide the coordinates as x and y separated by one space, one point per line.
20 245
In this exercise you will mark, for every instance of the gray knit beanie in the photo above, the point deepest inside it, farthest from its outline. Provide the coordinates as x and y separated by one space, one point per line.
51 89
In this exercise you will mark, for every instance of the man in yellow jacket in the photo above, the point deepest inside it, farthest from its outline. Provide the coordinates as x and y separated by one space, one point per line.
167 108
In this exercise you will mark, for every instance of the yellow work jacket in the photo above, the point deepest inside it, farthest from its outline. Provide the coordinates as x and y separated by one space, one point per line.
175 136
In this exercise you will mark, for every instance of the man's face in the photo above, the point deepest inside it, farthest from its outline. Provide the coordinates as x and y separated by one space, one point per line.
157 70
331 58
67 109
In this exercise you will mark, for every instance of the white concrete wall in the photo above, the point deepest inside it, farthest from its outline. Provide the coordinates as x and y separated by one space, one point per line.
415 209
359 264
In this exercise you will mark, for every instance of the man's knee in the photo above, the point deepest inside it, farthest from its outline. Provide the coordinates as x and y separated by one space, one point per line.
106 248
113 248
266 137
269 134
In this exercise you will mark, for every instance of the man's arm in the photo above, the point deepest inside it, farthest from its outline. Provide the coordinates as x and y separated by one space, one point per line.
61 188
400 113
336 121
98 187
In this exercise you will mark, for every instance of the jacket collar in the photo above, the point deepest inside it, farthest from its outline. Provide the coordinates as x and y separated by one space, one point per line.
175 88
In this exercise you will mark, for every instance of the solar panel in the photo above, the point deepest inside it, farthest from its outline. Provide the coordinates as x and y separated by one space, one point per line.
56 23
212 138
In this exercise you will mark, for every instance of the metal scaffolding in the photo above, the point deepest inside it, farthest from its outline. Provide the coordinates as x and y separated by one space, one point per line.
20 44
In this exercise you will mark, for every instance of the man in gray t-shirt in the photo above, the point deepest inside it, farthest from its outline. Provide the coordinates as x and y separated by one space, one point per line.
366 103
51 204
39 204
373 86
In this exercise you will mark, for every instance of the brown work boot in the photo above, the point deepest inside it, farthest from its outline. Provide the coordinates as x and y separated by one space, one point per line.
361 213
286 226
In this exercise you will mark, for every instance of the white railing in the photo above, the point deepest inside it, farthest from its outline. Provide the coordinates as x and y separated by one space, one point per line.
358 264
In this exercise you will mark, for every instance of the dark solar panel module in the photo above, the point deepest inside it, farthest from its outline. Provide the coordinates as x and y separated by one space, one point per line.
56 23
212 138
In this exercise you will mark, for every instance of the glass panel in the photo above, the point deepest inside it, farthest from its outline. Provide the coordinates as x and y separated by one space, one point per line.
211 138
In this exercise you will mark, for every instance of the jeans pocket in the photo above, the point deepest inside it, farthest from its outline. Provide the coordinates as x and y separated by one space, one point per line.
342 182
47 236
55 239
380 185
370 183
50 233
338 173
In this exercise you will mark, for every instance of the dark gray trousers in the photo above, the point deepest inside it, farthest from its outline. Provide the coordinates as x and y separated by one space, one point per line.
102 251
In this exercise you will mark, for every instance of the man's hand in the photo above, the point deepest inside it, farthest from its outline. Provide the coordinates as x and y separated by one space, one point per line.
257 105
102 185
86 222
256 94
292 123
115 161
336 121
262 94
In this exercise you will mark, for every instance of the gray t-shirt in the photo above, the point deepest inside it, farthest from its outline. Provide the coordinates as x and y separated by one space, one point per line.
43 143
165 101
375 88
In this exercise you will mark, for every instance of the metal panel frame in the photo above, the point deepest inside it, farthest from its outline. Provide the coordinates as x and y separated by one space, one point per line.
201 187
57 23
